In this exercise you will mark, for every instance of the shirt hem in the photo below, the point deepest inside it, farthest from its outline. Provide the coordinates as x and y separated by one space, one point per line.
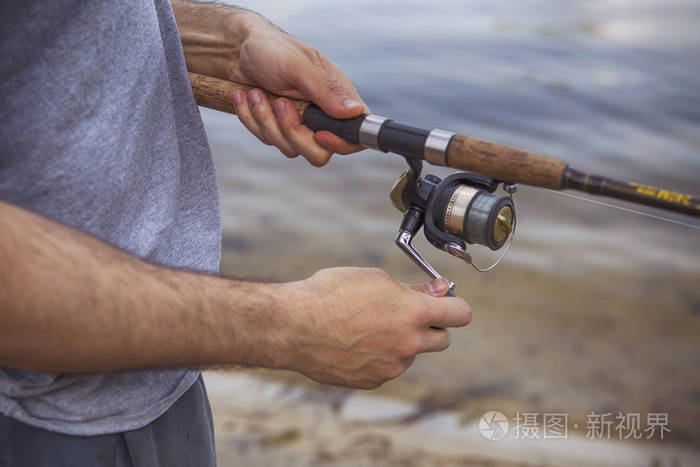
109 425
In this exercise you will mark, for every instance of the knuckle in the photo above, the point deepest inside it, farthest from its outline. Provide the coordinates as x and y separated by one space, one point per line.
243 115
422 316
465 313
259 134
467 317
316 56
288 125
394 370
317 158
368 384
263 120
423 312
291 132
378 273
411 347
265 138
374 384
249 122
330 75
261 114
345 149
446 340
317 162
331 83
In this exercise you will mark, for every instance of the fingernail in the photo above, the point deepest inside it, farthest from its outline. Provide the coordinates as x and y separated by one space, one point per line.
279 107
254 98
237 98
436 286
350 104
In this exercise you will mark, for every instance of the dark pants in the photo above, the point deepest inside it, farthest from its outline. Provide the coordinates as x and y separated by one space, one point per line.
182 436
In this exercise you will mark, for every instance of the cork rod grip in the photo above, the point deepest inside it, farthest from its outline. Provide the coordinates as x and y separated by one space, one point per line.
217 94
505 162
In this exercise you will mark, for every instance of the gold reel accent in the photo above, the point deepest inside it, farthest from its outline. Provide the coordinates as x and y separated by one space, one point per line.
397 191
504 224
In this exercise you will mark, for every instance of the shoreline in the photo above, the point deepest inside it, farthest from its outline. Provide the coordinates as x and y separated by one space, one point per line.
262 421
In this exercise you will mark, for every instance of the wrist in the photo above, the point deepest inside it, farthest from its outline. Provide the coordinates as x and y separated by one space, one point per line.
212 35
238 24
289 327
256 324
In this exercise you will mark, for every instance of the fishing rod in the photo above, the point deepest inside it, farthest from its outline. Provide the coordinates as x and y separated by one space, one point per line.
463 208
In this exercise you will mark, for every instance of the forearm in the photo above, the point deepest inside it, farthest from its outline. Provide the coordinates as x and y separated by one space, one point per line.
70 302
212 35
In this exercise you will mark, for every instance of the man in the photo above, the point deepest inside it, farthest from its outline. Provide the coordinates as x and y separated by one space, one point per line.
110 235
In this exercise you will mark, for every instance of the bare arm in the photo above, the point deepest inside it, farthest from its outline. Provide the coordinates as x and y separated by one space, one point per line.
70 302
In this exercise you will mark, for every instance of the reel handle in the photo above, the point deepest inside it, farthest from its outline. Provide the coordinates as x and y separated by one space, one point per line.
410 225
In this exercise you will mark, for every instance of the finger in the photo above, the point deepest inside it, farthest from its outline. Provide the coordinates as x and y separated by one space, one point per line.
242 108
335 144
299 135
436 287
436 340
447 312
332 142
407 362
354 95
329 89
265 118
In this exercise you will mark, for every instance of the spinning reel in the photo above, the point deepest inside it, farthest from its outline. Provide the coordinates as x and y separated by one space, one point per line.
458 210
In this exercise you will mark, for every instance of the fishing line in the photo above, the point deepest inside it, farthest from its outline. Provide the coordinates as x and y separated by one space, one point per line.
634 211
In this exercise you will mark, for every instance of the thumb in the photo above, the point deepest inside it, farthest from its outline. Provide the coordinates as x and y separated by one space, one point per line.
331 91
436 287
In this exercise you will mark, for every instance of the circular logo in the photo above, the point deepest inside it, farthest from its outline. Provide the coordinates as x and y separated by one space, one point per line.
493 425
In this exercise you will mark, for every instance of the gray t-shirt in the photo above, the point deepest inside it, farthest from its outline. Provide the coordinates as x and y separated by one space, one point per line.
99 131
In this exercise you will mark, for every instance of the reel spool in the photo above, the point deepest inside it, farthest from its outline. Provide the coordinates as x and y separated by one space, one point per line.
462 209
473 214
